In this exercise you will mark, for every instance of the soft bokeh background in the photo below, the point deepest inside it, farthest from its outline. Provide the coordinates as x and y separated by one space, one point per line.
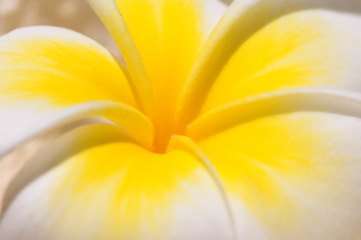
73 14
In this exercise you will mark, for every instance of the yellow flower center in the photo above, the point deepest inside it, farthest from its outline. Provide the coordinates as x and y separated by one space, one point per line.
168 46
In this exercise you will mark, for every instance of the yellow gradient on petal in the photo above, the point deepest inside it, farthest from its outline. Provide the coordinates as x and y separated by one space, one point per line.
168 36
103 185
108 12
130 191
286 167
243 151
59 67
298 50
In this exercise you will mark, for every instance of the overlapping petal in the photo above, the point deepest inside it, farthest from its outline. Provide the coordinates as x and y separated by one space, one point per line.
304 49
160 41
248 22
105 186
265 163
51 76
288 160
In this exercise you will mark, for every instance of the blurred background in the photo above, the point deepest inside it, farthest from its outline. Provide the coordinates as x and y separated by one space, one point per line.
72 14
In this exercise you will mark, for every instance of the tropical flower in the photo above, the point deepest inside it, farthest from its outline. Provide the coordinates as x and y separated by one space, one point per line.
238 123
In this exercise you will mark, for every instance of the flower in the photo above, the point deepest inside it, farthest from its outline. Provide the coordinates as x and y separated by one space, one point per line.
238 123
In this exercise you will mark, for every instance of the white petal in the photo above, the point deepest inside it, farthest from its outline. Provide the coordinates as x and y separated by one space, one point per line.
289 159
106 187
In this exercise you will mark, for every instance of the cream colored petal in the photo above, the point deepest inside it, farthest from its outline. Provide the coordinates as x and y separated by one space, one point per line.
274 103
36 122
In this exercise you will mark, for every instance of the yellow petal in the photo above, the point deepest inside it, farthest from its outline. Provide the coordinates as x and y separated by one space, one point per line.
167 36
290 163
106 187
59 67
51 76
304 49
243 19
108 12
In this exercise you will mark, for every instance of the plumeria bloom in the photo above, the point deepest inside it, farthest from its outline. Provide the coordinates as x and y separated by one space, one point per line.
223 123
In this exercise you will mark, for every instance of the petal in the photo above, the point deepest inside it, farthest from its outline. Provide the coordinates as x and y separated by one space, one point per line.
290 163
245 18
32 122
304 49
108 12
12 163
175 32
59 67
52 76
106 187
273 103
26 140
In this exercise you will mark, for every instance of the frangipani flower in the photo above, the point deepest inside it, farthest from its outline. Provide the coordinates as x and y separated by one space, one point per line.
238 123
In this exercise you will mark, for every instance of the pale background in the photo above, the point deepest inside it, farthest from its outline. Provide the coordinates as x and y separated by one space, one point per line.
73 14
